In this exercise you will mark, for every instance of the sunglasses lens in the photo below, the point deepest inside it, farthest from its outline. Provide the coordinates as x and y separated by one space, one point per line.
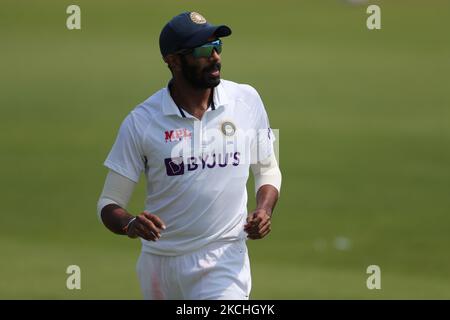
207 50
203 52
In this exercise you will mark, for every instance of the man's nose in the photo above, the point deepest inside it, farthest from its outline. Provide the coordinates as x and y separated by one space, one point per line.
215 55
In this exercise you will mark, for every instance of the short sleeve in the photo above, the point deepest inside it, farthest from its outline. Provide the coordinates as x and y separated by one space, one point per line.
126 156
264 138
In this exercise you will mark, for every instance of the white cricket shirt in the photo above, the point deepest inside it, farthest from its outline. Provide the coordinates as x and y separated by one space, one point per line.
196 170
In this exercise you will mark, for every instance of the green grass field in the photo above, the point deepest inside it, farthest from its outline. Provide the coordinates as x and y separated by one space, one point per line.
364 120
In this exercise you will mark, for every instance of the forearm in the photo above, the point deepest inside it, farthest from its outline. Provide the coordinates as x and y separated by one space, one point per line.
259 221
266 198
115 196
267 183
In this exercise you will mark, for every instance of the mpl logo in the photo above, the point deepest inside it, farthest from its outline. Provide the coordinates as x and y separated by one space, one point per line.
177 134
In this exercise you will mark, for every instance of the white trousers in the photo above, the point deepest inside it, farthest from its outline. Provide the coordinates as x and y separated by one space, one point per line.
220 270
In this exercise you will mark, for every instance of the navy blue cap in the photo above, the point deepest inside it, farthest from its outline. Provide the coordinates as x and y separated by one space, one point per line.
188 30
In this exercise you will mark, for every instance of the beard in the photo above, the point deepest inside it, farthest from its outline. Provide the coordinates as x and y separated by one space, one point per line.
198 77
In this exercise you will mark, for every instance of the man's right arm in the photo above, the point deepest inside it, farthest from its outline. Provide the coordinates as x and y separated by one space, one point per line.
115 218
110 208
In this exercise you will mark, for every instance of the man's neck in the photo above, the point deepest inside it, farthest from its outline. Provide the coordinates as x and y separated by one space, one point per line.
193 100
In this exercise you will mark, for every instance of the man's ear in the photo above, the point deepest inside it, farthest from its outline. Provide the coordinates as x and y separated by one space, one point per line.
173 62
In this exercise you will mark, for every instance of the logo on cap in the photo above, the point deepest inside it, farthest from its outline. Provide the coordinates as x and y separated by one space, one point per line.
197 18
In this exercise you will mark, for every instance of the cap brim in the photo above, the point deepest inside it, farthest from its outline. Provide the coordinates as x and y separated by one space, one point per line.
202 36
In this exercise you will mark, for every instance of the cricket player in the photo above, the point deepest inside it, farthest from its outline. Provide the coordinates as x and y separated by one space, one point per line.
196 141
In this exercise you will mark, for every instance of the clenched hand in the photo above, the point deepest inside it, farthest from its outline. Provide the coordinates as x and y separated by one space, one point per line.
147 226
258 224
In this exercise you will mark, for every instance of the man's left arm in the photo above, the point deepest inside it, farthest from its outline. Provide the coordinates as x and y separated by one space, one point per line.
268 184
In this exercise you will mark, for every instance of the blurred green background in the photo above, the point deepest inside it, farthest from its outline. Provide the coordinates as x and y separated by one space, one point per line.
364 119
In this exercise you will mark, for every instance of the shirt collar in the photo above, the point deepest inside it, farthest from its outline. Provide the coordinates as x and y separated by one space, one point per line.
220 99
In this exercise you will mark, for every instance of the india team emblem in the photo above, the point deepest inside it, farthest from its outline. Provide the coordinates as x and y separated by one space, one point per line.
197 18
228 128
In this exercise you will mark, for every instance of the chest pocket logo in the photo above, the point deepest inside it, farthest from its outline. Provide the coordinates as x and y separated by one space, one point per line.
228 128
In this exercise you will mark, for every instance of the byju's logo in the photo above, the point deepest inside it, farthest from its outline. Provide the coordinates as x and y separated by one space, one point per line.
174 166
